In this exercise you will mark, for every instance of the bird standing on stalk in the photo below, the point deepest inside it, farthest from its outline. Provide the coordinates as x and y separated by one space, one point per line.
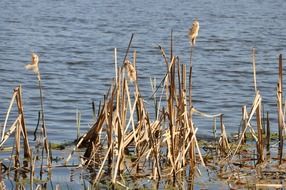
193 32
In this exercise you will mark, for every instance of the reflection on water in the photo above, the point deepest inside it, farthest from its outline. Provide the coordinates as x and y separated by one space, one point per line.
75 41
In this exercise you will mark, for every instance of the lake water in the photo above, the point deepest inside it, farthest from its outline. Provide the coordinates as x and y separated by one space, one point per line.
75 40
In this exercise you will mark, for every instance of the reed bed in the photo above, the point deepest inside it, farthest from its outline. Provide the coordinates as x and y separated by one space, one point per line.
126 142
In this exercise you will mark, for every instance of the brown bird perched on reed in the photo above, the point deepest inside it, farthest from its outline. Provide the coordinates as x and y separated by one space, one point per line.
194 31
130 70
34 65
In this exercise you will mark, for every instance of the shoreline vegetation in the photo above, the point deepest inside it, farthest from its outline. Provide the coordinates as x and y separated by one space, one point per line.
126 148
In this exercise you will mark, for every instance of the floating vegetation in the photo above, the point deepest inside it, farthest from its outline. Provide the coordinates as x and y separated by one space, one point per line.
127 147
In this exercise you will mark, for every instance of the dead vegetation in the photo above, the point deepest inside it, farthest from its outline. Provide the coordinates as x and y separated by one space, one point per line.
125 142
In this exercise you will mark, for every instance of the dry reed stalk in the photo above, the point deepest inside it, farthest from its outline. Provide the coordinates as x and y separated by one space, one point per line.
268 133
43 124
2 183
145 135
104 116
78 118
92 156
181 109
22 122
275 186
260 143
11 130
122 124
256 103
183 154
115 63
153 88
194 110
74 149
137 92
17 146
279 107
171 114
169 67
101 167
7 114
244 123
132 109
109 120
179 66
223 141
198 147
92 136
171 45
93 110
190 87
32 170
127 51
164 56
163 81
223 137
20 129
192 158
152 129
254 69
119 122
89 139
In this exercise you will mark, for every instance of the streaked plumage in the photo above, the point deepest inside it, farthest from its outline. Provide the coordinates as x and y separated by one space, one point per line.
34 65
130 70
193 32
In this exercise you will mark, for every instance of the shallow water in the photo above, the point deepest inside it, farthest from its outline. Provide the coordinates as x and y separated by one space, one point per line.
75 41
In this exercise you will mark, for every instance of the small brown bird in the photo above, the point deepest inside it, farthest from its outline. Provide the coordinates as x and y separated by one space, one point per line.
130 70
194 31
34 65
